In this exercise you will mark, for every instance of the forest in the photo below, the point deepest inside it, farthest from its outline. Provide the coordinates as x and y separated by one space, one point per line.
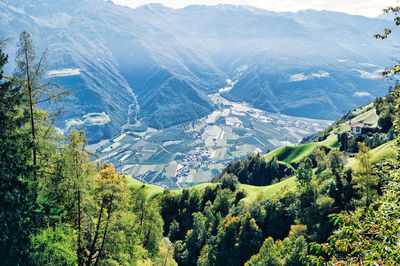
59 205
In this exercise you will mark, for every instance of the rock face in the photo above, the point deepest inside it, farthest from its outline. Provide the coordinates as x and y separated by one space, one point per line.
157 65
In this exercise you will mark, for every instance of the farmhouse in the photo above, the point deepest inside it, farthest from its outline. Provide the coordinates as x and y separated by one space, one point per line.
364 123
356 128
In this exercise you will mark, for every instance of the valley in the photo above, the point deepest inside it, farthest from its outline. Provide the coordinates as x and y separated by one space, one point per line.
192 153
158 67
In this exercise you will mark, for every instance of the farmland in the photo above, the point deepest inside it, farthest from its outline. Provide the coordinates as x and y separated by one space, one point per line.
192 153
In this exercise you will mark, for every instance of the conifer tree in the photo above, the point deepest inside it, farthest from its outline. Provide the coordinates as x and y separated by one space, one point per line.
15 172
30 75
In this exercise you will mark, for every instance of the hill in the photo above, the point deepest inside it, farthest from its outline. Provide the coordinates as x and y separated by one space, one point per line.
248 170
294 155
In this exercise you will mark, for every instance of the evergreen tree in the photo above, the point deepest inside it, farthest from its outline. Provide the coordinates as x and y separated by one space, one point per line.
365 172
29 75
304 172
16 197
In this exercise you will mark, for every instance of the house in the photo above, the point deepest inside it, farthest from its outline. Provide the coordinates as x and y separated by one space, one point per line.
357 128
360 128
364 123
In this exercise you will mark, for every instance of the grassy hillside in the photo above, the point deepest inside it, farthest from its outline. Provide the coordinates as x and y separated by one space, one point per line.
289 154
369 117
387 150
152 190
363 109
253 192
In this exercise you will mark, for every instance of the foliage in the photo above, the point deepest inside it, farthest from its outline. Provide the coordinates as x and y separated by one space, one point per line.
368 235
321 159
213 227
304 172
255 171
286 252
57 207
54 246
17 191
336 161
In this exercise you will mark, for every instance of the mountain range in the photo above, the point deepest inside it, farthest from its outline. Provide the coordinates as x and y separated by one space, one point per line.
155 66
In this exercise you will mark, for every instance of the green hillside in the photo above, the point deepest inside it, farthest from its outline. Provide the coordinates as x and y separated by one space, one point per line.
289 154
369 117
362 109
384 151
152 190
253 192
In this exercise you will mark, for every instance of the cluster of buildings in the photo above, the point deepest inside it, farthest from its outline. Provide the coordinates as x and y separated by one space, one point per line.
193 161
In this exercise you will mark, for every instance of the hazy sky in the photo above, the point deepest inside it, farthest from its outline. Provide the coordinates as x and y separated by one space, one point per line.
370 8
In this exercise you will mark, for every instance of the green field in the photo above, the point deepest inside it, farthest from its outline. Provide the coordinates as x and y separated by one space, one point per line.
254 192
385 151
369 117
152 190
290 154
362 109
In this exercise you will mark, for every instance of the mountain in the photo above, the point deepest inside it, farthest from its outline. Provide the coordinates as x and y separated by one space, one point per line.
155 66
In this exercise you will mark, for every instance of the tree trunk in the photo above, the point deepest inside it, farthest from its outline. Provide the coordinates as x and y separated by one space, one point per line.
96 234
30 94
105 231
79 250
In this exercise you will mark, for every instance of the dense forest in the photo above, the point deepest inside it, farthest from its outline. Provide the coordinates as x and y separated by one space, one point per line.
60 206
254 170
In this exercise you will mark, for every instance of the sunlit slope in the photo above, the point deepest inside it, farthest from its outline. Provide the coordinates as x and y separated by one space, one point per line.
152 190
294 154
253 192
387 150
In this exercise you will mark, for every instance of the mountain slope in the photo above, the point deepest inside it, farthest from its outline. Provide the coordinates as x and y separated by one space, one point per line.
158 65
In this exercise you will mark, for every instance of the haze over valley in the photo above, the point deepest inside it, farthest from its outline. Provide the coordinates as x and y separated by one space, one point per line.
170 96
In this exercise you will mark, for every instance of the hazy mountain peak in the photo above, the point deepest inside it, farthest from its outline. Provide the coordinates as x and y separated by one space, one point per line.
136 64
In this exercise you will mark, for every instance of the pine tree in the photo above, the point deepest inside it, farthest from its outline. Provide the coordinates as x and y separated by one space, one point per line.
15 172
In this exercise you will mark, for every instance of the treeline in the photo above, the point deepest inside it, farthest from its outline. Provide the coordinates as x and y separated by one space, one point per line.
218 226
56 206
214 227
254 170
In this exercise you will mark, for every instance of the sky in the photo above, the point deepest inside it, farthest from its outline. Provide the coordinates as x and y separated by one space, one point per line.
369 8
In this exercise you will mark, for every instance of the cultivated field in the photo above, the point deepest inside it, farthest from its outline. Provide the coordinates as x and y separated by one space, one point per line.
192 153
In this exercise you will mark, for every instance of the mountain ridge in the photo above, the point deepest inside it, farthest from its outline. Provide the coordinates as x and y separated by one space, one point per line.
290 63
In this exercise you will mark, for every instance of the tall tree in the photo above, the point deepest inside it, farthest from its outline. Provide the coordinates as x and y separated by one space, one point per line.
30 73
365 171
66 188
15 171
304 172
